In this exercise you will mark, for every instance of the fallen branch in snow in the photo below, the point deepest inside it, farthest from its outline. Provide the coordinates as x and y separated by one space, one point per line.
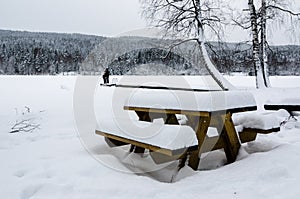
26 125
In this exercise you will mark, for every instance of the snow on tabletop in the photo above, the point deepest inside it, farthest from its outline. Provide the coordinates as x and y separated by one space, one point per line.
284 101
193 101
282 96
183 82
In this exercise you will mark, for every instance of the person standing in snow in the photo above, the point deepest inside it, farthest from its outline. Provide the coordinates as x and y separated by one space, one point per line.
106 76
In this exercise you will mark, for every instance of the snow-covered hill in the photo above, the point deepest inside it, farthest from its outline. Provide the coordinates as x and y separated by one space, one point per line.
23 53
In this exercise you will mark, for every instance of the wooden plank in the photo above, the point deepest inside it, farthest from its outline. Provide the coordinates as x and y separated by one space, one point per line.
201 131
189 112
167 111
114 143
242 109
135 143
213 143
167 88
281 106
160 158
233 144
249 134
154 148
262 131
290 108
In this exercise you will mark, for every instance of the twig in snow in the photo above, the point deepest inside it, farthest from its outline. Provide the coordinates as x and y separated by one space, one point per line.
26 125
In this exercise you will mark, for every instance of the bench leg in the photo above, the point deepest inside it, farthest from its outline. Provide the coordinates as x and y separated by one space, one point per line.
143 116
182 162
139 150
136 149
171 119
247 135
131 148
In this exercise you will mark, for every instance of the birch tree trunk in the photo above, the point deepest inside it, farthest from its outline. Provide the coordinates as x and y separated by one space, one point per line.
260 83
263 44
213 71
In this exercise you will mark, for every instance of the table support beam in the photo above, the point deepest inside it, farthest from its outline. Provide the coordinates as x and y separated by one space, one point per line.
201 131
233 144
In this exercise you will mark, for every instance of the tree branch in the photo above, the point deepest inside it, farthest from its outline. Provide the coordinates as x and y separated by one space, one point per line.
283 10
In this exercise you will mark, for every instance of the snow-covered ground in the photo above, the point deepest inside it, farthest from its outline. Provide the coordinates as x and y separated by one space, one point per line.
56 160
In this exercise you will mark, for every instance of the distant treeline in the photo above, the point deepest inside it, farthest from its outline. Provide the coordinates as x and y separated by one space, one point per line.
282 60
28 53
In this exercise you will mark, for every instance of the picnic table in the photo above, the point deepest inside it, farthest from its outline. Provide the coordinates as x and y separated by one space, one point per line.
174 140
286 99
290 106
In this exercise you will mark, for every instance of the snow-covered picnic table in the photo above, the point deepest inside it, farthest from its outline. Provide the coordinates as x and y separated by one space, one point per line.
289 104
171 140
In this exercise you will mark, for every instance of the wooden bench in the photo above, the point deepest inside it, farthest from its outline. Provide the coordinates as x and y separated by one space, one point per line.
282 101
250 134
288 107
181 141
253 123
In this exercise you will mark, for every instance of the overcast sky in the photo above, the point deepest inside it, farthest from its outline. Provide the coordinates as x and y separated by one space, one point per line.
98 17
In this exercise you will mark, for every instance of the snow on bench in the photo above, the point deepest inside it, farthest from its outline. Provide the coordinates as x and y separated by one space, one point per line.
154 136
248 124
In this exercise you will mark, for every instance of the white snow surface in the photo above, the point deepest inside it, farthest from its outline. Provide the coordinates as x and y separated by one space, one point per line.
260 120
54 162
156 134
191 101
190 82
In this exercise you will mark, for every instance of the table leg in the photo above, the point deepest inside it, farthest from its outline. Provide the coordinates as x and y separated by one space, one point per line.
143 116
171 119
201 131
232 143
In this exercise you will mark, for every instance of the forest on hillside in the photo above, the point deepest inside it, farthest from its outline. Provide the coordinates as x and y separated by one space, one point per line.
29 53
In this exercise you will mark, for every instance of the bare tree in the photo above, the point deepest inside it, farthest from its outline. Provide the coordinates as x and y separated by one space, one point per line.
190 19
269 10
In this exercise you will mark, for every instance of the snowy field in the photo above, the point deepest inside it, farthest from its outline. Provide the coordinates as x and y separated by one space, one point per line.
56 161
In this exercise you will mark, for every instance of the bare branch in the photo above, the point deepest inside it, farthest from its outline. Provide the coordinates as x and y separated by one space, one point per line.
171 47
283 10
241 25
25 125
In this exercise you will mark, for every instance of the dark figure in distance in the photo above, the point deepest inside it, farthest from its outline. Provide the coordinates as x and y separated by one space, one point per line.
106 76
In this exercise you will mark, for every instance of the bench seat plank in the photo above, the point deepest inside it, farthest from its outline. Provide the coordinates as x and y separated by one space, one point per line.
287 107
248 134
158 135
165 151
